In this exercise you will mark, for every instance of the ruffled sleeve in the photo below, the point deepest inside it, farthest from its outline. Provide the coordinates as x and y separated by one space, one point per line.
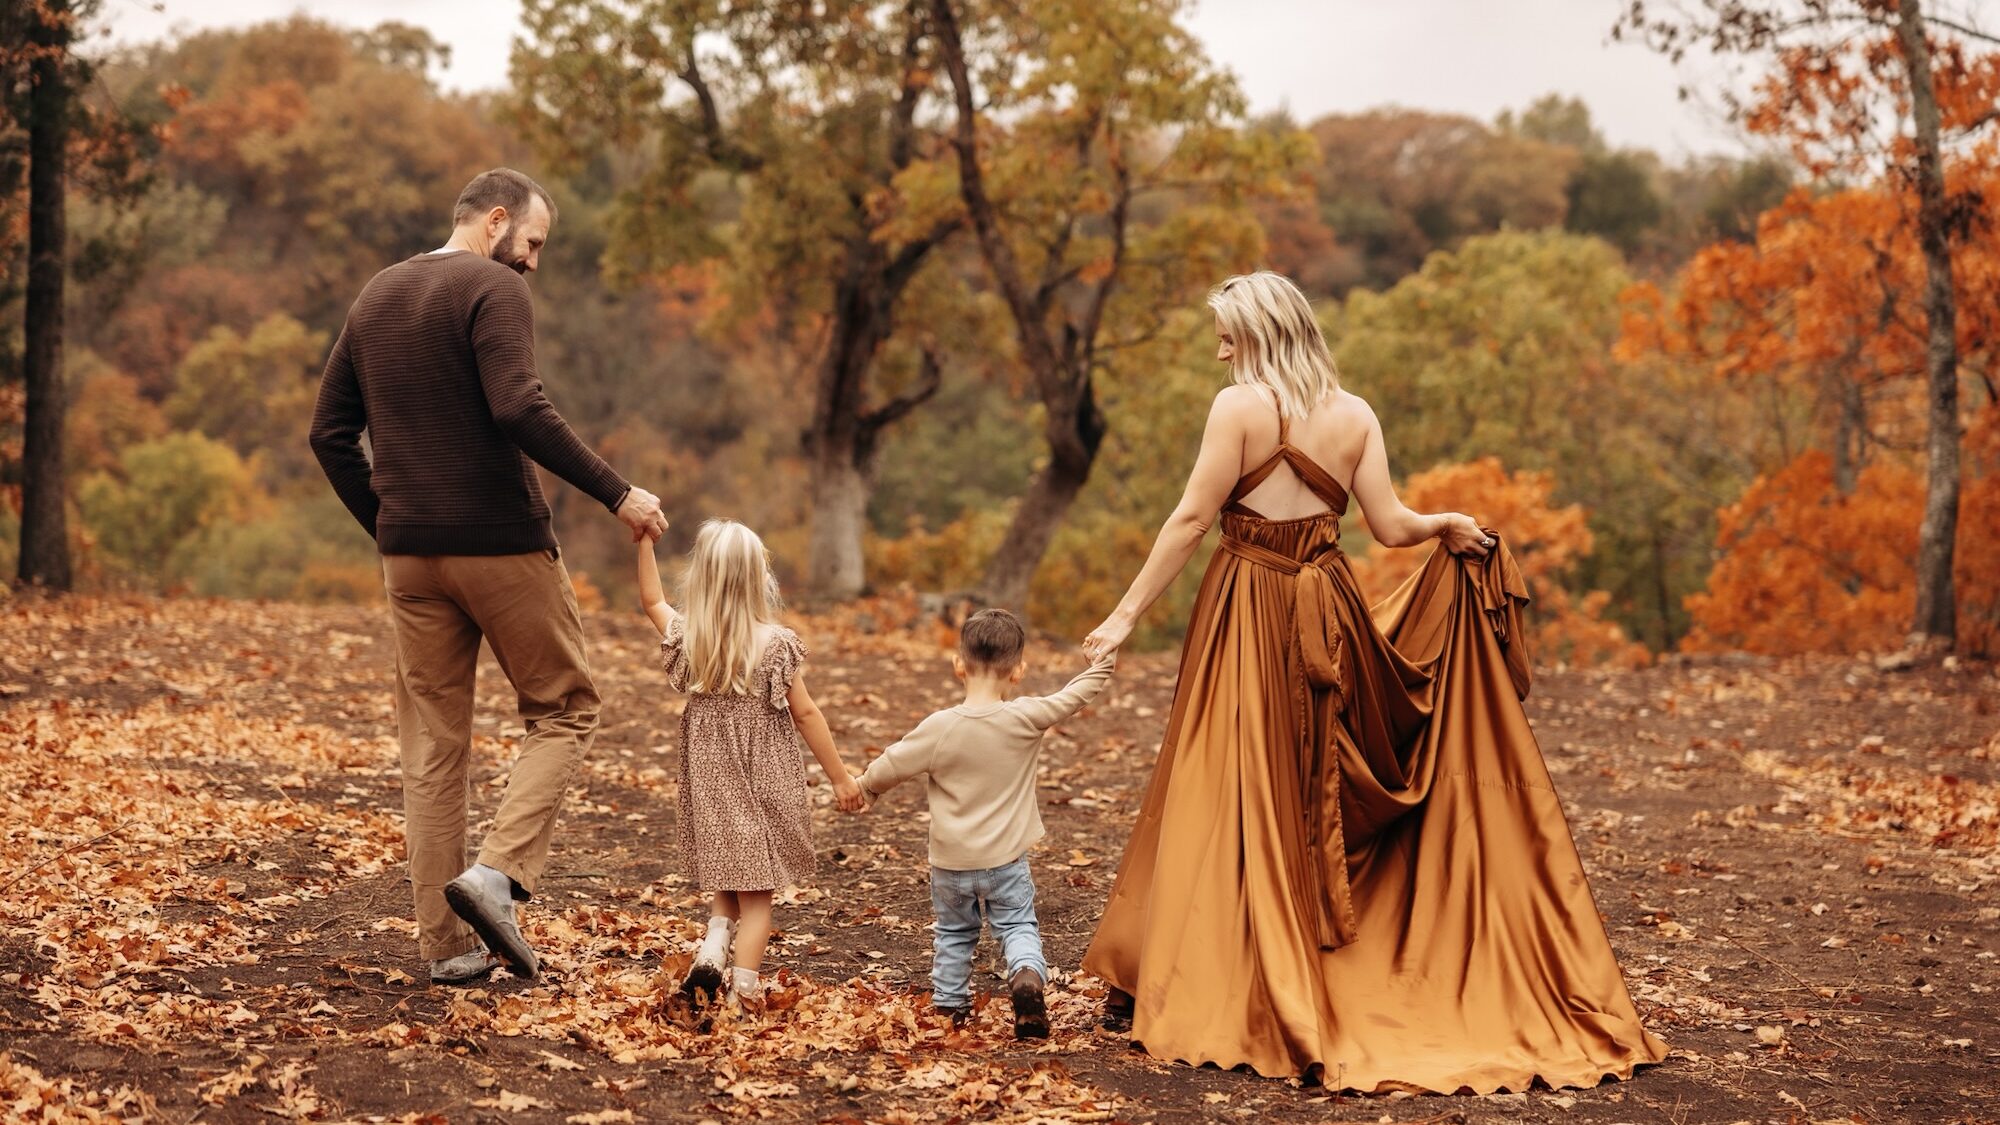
673 653
782 662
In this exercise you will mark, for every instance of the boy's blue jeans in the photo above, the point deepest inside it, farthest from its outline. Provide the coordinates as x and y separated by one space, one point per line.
1005 896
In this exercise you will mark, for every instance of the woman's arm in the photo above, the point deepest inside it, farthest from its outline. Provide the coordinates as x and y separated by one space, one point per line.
1391 522
811 722
652 599
1216 469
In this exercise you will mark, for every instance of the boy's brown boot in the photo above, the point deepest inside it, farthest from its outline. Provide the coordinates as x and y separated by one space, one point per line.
1031 1011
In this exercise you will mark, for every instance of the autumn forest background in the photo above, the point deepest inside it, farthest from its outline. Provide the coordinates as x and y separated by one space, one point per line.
1693 393
915 288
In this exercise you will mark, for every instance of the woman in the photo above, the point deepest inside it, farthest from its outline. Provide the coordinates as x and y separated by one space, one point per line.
1350 863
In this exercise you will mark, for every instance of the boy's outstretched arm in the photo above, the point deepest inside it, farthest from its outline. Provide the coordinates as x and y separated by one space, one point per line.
652 598
1045 711
811 722
909 756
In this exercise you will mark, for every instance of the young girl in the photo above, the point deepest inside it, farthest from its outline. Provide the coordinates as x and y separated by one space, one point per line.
744 824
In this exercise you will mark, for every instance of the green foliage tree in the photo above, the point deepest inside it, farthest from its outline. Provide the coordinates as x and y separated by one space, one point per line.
1611 195
1142 465
1502 349
255 394
1745 191
163 493
812 118
1396 184
303 550
1556 120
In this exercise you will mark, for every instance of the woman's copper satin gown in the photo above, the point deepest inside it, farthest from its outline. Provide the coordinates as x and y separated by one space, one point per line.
1350 861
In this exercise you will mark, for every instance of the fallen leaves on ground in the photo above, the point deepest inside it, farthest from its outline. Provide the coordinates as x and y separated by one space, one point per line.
199 874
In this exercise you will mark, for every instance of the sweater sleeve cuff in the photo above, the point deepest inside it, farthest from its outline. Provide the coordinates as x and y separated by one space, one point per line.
615 493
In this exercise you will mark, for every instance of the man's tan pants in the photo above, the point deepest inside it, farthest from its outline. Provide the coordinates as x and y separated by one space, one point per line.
524 607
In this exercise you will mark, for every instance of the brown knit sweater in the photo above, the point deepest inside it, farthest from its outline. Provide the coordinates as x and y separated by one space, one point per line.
437 363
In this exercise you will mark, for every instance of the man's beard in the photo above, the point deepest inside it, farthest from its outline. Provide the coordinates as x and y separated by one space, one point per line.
504 252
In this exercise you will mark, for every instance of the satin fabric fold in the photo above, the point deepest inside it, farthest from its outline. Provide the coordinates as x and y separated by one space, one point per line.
1350 861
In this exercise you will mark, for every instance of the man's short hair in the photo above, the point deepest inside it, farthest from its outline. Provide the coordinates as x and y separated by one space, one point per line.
501 187
992 640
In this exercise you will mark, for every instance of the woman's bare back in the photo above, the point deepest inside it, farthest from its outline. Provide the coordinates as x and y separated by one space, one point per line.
1333 435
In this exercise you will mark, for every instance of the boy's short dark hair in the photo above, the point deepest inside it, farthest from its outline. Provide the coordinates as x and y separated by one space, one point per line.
992 640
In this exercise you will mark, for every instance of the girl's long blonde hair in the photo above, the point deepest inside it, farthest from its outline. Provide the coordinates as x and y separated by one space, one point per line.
1276 339
729 591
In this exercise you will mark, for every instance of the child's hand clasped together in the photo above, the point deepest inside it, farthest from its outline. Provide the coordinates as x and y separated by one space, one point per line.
745 824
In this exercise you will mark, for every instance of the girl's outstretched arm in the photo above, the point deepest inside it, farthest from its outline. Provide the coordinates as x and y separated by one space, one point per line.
811 722
652 598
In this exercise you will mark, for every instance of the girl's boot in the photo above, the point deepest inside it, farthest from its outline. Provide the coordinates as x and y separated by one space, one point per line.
704 980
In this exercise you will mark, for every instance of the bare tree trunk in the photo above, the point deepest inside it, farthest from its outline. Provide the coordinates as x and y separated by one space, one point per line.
1663 595
1850 431
44 527
1936 622
841 444
1062 371
840 491
1042 511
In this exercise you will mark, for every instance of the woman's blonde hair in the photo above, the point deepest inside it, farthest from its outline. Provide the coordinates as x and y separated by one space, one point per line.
729 591
1276 340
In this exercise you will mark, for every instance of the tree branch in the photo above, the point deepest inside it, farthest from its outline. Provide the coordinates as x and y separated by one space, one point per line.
1978 123
718 145
902 124
1035 344
1962 29
1120 209
1053 272
930 378
904 265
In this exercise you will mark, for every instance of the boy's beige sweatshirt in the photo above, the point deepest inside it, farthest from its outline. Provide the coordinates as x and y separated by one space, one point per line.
981 765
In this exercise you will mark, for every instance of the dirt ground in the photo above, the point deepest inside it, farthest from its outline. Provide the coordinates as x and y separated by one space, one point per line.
203 916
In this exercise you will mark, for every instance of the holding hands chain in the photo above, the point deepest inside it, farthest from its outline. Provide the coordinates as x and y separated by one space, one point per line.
640 511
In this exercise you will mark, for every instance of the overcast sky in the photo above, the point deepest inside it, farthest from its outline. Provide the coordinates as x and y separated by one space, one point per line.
1476 57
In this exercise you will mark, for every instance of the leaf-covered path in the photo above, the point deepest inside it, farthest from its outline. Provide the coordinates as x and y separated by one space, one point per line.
202 916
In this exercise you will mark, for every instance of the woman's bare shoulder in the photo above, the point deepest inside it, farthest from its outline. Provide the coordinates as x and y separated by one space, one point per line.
1238 399
1238 409
1352 406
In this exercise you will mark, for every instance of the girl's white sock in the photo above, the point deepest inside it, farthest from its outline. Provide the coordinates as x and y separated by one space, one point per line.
746 984
715 943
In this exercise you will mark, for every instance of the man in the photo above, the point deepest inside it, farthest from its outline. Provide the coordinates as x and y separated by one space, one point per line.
437 364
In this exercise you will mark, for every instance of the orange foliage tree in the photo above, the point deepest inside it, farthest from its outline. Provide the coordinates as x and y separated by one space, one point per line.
1548 540
1808 326
1979 536
1809 566
1820 327
1814 328
1882 91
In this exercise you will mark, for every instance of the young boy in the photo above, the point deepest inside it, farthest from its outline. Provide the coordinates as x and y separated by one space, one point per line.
980 757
